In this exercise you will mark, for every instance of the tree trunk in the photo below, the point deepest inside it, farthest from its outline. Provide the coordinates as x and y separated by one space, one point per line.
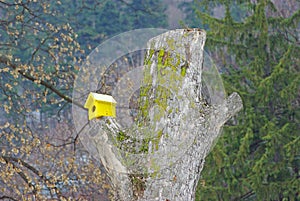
162 155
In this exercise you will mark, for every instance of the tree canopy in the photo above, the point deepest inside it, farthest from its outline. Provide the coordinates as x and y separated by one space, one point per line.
257 46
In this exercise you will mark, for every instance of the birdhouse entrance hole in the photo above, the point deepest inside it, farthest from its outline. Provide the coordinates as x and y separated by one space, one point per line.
93 108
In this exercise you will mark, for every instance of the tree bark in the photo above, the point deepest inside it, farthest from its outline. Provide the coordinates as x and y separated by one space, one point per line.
196 119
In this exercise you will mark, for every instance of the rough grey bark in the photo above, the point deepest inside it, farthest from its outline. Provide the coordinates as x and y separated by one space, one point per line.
179 125
195 118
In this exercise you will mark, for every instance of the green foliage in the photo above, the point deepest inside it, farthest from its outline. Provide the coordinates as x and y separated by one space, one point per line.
258 156
150 13
191 9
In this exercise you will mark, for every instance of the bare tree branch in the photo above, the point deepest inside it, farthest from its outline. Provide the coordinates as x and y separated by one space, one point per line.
13 160
5 60
7 197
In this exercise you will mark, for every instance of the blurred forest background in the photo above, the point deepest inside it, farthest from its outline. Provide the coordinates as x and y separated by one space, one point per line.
255 43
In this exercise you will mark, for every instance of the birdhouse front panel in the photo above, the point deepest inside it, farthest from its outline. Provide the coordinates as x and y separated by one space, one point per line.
105 109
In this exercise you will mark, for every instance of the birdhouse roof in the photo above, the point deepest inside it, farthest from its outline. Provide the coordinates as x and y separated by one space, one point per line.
98 97
104 97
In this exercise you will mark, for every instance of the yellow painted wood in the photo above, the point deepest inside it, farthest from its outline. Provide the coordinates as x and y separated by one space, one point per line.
99 105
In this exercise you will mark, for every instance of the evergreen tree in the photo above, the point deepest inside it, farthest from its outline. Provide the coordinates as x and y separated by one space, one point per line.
258 156
146 14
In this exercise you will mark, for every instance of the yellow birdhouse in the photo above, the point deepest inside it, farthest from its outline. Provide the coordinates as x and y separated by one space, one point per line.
99 105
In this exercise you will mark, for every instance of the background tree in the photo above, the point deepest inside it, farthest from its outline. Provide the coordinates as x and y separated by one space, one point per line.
38 65
42 46
258 158
149 14
96 21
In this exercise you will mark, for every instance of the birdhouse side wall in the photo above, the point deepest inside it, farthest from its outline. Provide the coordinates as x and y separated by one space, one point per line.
89 101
